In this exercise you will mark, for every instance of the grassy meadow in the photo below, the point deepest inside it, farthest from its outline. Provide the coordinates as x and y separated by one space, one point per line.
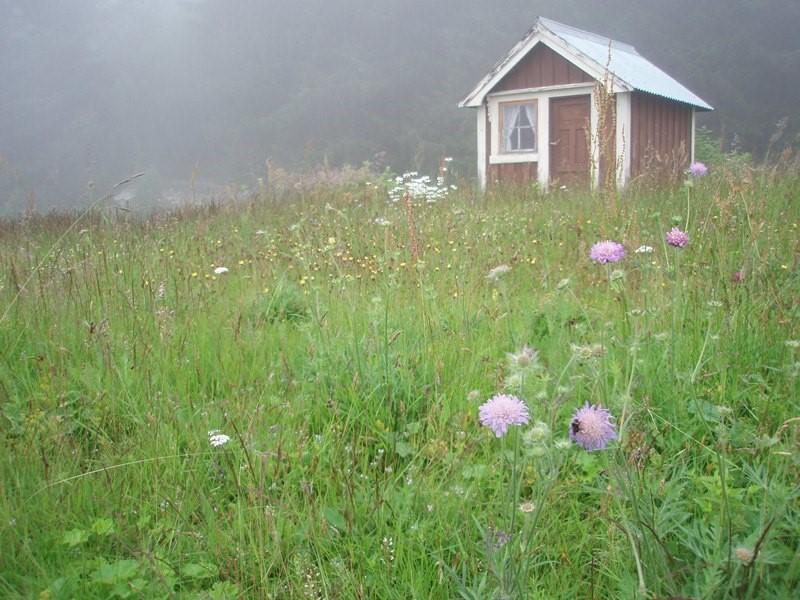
305 424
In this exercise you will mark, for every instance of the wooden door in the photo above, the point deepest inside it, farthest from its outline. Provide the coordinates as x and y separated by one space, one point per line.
569 141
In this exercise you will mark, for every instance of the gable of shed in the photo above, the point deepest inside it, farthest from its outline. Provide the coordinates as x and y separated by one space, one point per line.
593 54
542 67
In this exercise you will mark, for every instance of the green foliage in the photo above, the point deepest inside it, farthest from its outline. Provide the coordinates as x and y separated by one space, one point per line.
708 150
343 380
285 303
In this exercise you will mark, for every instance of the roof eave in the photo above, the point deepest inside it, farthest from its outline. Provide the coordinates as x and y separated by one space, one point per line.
699 105
471 101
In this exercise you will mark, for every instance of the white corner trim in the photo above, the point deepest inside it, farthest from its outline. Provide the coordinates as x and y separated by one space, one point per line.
482 146
543 168
694 134
623 138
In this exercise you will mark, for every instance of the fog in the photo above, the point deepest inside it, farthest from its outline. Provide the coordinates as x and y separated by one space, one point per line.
199 94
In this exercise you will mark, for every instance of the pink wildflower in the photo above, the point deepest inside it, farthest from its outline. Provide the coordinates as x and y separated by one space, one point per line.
501 411
698 169
607 252
677 238
592 427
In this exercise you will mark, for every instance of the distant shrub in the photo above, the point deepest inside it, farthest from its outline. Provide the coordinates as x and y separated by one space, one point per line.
708 150
324 177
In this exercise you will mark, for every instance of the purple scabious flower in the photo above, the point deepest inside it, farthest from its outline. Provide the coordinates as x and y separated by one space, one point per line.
501 411
698 169
677 238
592 427
607 252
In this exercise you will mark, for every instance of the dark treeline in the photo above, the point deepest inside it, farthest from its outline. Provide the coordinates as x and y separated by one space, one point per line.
204 91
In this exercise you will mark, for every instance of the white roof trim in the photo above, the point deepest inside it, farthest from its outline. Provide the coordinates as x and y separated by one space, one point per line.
640 74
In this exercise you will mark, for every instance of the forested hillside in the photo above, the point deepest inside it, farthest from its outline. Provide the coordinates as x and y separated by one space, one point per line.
96 90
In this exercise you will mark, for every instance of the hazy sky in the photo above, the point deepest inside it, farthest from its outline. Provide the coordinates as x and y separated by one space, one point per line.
95 90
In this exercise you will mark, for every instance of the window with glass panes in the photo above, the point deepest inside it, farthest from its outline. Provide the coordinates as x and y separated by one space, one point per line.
518 122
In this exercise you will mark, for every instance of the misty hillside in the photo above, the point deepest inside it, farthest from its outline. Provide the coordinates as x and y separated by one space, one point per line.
96 90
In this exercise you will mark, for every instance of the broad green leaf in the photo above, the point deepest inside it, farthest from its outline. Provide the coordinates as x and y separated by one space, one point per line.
474 471
117 572
103 527
75 537
413 428
202 570
335 518
404 449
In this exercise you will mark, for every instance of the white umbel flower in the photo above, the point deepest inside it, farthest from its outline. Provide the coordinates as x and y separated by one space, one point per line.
217 439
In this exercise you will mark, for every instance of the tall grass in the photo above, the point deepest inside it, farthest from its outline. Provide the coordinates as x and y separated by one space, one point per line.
348 377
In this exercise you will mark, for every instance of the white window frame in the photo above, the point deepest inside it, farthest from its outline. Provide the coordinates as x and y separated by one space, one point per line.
534 126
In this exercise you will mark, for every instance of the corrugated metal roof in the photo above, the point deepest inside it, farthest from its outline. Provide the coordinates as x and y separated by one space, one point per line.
626 64
622 60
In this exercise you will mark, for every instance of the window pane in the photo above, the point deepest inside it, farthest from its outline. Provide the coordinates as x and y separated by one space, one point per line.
510 116
519 127
527 141
513 140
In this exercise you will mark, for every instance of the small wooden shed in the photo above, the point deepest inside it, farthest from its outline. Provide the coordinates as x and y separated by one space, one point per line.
565 106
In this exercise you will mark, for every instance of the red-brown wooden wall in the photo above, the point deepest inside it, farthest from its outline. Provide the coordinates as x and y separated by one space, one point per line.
513 173
659 141
542 66
661 135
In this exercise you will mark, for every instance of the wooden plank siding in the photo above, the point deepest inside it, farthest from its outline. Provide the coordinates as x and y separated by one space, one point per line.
542 66
523 173
661 136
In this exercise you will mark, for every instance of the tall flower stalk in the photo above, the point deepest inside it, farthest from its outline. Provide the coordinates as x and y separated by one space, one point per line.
498 414
678 239
696 170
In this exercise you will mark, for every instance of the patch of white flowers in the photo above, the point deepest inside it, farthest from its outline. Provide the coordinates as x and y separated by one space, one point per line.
217 439
419 187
